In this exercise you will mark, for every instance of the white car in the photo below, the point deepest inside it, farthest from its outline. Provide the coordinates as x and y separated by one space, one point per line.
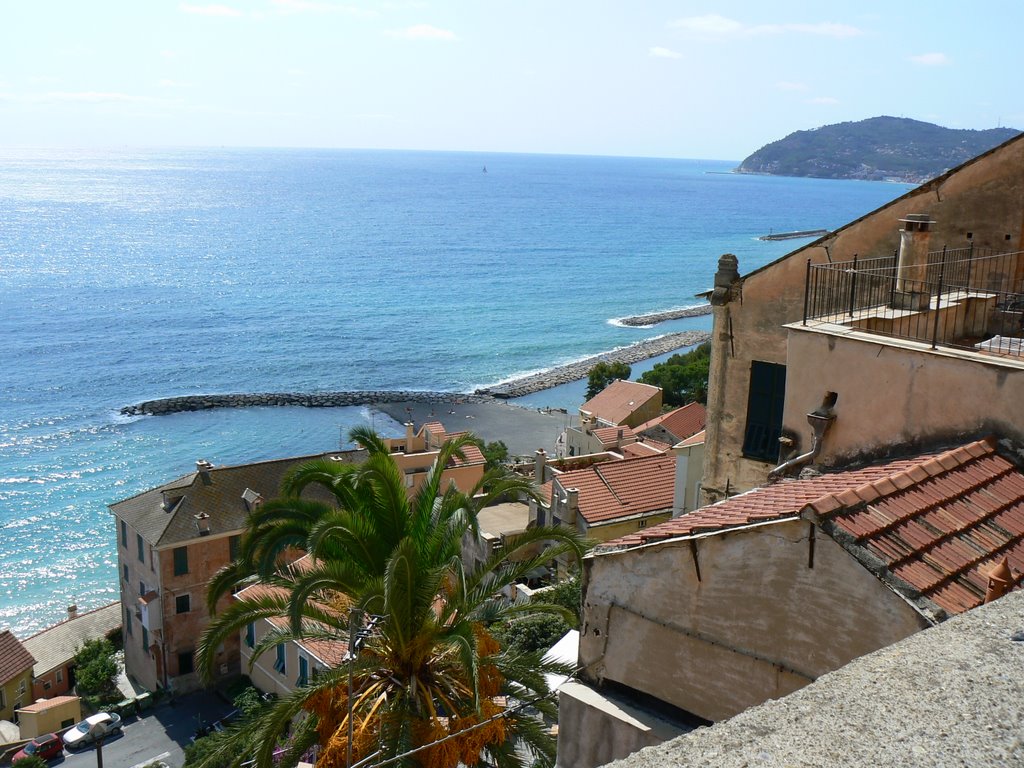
97 726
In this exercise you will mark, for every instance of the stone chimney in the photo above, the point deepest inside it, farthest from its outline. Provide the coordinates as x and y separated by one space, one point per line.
202 523
540 461
72 611
409 435
203 467
727 274
912 264
572 505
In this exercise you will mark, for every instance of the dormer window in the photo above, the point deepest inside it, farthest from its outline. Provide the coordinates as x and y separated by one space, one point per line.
252 499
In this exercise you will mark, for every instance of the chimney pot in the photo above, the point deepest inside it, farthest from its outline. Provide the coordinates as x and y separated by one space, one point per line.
72 611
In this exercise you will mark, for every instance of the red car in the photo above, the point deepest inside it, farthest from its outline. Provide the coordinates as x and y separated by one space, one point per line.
47 746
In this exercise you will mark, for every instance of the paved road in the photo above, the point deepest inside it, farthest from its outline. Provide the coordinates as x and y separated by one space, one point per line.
162 733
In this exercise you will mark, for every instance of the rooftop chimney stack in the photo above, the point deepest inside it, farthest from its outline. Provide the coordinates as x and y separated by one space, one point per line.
409 435
540 460
72 611
203 523
572 505
912 264
203 467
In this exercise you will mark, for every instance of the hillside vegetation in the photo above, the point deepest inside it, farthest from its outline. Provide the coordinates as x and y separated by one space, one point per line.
879 148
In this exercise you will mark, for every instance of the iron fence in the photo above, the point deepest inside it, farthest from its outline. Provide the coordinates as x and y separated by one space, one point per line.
965 298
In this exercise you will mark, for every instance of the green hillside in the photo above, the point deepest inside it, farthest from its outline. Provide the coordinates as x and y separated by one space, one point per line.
879 148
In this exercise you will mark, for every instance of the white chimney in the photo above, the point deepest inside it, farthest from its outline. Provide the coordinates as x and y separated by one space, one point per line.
540 460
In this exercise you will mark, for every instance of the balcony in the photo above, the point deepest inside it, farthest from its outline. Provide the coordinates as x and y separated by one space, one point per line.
963 299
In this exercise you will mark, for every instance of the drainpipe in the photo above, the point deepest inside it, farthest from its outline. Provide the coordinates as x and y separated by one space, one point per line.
820 420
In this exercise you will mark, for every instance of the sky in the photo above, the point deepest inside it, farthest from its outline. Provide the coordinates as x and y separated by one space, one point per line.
650 78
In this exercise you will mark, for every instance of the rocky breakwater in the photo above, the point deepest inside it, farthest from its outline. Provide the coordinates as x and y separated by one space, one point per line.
642 350
643 321
306 399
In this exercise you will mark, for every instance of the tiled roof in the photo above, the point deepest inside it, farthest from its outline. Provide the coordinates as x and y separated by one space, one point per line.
58 644
44 704
14 657
771 502
645 448
610 435
696 439
619 399
938 521
942 524
473 455
615 489
681 423
218 492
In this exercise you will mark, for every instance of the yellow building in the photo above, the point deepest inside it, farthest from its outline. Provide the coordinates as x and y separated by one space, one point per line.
15 675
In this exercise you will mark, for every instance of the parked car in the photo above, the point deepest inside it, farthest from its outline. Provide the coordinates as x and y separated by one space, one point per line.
97 726
47 746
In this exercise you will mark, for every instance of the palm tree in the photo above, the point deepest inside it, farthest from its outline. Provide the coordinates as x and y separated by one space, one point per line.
432 670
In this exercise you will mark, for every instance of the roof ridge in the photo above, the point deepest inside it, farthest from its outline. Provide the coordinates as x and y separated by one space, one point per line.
601 477
68 620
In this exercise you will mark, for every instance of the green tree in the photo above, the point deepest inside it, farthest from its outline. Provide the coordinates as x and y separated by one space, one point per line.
29 761
495 454
432 667
683 378
96 668
603 374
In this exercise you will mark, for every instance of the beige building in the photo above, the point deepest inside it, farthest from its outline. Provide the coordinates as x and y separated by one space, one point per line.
55 647
612 413
171 540
15 675
756 596
49 715
877 299
417 453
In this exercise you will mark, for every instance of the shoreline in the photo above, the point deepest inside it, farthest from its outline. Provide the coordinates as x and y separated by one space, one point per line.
525 385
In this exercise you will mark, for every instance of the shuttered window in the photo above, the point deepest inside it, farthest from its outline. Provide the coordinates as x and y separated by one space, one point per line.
765 401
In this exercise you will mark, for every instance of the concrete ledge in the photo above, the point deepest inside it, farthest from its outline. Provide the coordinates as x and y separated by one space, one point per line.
949 695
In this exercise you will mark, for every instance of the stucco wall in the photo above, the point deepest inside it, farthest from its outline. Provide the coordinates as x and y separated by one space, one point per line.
757 624
206 556
17 693
609 531
898 393
985 199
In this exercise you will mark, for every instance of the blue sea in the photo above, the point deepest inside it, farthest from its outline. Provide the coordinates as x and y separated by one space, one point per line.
128 275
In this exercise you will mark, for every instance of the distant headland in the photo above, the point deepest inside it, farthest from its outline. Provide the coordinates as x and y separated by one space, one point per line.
876 149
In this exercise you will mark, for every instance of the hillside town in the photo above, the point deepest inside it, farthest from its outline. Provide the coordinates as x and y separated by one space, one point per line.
846 506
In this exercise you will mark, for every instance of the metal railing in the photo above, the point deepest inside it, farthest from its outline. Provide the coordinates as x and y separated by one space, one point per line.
965 298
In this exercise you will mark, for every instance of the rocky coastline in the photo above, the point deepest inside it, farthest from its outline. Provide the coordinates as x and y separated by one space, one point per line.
643 321
526 385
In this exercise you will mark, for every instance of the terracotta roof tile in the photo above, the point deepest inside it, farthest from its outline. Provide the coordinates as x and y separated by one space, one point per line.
615 489
681 423
619 400
14 657
938 521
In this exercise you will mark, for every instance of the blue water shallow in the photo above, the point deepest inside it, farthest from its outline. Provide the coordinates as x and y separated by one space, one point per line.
130 275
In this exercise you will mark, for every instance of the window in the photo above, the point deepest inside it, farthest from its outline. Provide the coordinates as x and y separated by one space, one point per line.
186 665
303 678
142 588
233 542
182 604
60 675
46 685
124 534
145 641
279 664
141 547
765 400
128 621
3 699
124 571
22 688
250 634
642 524
180 561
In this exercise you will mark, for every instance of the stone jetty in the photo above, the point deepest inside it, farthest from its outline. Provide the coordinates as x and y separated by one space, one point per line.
641 350
660 317
527 385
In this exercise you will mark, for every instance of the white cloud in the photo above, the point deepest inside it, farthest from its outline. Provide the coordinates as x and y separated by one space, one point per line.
931 59
826 100
714 25
210 10
785 85
423 32
664 53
